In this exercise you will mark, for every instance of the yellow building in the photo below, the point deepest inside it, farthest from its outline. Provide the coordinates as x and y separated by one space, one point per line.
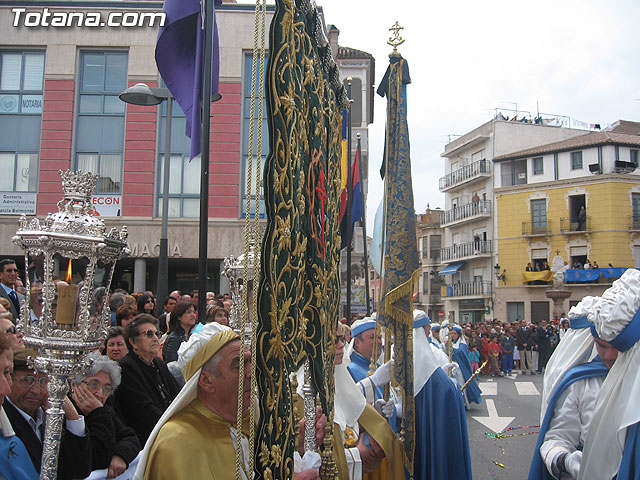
578 199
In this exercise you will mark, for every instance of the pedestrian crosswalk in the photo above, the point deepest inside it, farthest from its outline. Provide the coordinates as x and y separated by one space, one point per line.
490 388
526 388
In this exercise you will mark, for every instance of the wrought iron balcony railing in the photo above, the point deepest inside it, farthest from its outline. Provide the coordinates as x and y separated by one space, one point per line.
463 174
573 225
536 228
481 208
464 250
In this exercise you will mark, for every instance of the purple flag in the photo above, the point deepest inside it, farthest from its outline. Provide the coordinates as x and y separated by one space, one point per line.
180 61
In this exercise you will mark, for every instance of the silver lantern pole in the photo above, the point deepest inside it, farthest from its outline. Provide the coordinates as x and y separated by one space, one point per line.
74 317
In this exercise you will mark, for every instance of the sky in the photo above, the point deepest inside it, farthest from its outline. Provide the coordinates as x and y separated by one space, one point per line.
574 58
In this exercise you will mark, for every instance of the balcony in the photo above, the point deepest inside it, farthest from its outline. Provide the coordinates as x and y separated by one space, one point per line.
465 213
634 222
536 229
466 289
468 173
466 250
570 225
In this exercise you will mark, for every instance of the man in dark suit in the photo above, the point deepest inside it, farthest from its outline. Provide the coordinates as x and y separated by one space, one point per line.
25 409
8 277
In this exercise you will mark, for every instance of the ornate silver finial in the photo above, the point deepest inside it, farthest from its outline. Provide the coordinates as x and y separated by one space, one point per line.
78 186
395 40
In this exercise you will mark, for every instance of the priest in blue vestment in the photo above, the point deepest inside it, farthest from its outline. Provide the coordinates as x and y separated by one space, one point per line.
442 441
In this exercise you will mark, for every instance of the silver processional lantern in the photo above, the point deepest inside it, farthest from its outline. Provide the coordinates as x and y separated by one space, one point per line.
233 269
73 257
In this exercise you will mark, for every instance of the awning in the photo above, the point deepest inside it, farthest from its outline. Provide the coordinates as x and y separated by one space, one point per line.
450 269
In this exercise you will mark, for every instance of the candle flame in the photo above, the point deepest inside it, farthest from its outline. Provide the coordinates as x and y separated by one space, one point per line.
69 273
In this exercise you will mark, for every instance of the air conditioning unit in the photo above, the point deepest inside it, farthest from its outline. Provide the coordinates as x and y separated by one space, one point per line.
595 168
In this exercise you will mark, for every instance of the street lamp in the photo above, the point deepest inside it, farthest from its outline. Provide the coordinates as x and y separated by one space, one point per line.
142 94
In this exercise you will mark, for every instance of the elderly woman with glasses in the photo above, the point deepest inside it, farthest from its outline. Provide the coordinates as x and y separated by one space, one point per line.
9 329
147 387
113 444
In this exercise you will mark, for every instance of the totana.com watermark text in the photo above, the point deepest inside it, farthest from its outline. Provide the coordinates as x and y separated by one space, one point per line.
46 18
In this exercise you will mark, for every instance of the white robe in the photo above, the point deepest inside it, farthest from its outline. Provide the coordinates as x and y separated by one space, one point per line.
571 419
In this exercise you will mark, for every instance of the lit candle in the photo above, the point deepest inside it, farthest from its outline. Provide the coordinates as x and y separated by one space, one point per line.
67 301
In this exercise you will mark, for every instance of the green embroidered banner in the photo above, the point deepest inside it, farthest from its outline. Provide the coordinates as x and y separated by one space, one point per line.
298 296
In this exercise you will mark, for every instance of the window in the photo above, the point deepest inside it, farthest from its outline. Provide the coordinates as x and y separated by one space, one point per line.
425 282
538 216
21 86
436 245
633 156
356 106
425 247
515 311
538 166
184 175
100 117
576 160
476 157
539 311
513 172
246 100
635 209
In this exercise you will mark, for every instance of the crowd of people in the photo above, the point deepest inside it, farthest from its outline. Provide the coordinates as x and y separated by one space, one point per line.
502 347
160 400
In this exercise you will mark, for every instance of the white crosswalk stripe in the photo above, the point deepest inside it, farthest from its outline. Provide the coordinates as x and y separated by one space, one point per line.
526 388
488 388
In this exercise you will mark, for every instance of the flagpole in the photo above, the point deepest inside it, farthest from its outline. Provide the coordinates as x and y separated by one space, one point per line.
349 202
364 229
204 161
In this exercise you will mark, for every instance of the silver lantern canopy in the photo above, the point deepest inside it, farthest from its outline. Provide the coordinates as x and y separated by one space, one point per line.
69 263
233 269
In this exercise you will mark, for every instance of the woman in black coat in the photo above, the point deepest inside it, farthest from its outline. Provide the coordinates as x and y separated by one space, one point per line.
147 387
113 444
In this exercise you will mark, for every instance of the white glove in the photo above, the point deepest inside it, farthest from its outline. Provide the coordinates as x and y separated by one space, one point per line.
384 408
572 463
382 375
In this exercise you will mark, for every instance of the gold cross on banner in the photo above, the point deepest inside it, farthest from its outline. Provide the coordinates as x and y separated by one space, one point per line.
396 39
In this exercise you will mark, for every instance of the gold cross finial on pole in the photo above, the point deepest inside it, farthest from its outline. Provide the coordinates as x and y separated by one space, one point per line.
558 252
395 39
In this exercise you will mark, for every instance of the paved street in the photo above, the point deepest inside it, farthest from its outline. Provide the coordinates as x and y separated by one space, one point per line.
506 402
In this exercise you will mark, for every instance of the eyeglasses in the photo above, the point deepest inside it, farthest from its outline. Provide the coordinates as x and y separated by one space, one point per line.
150 301
95 387
341 338
11 330
29 381
151 333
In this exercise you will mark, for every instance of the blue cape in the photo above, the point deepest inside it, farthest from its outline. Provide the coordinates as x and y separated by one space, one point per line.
15 463
595 368
630 464
461 357
442 441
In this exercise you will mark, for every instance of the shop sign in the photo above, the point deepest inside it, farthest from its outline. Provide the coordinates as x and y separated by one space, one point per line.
107 205
17 203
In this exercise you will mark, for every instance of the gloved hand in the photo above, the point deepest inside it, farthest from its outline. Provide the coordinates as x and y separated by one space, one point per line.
572 463
382 375
384 408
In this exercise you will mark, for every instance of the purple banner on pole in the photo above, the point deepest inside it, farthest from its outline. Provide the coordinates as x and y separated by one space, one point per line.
180 61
